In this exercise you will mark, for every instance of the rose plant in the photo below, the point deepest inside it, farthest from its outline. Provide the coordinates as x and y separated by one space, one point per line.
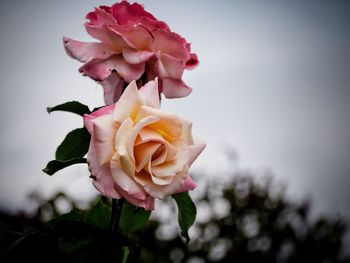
133 45
136 152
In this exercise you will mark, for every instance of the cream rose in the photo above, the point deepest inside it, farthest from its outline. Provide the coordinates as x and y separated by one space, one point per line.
138 151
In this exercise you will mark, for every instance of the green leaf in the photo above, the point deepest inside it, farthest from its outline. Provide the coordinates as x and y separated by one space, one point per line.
99 214
56 165
72 106
73 216
74 245
75 145
186 212
132 218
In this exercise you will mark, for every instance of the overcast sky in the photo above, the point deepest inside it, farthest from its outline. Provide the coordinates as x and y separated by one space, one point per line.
273 84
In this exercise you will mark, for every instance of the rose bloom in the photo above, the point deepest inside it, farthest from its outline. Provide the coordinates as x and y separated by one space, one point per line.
133 45
139 152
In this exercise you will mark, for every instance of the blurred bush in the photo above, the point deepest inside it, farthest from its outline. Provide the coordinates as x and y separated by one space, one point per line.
246 220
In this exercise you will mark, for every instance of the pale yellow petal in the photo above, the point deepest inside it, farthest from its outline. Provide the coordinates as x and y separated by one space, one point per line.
187 132
129 103
159 180
121 178
143 178
143 153
150 94
173 167
169 125
195 150
104 129
161 191
121 145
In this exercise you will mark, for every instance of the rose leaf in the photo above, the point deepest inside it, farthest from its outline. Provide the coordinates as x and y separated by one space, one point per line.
132 218
53 166
186 212
71 106
75 145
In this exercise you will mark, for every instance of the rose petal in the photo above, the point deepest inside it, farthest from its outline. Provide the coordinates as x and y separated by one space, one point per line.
188 185
169 125
173 167
150 94
103 180
136 36
128 104
104 130
152 25
143 153
146 202
112 88
150 135
88 118
171 44
187 132
124 180
169 67
134 56
101 16
127 13
126 160
107 37
100 69
175 88
84 52
125 139
192 62
161 191
195 150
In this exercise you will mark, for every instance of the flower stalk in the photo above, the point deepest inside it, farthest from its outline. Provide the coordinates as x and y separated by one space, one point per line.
117 205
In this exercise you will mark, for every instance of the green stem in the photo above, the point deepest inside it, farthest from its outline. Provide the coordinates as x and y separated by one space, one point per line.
117 205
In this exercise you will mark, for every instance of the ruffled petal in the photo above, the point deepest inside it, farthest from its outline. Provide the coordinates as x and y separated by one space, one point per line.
152 25
195 150
107 37
161 191
186 135
135 36
101 174
175 88
84 52
89 118
104 130
168 125
146 202
101 16
143 154
134 56
128 104
188 185
169 67
171 44
150 94
112 88
127 13
192 62
123 180
100 69
171 168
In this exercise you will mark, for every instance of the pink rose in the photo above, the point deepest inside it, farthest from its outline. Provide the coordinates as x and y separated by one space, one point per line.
138 151
133 45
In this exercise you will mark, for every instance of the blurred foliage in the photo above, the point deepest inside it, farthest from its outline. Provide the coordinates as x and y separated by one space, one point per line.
250 221
245 220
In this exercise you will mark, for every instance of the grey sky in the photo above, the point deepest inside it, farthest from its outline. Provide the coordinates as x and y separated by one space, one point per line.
273 83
